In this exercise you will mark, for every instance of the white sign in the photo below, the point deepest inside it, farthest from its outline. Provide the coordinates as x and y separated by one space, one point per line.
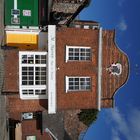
27 13
30 137
51 69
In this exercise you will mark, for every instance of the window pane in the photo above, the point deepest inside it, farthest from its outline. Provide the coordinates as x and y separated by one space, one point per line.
24 59
43 73
30 59
43 57
71 88
43 68
31 78
37 82
43 82
31 68
24 82
40 92
70 49
24 78
76 58
77 50
24 92
24 68
24 73
31 92
30 73
43 78
31 82
37 69
43 61
71 58
77 87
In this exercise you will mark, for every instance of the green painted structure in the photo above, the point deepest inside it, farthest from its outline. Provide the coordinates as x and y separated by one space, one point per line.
25 12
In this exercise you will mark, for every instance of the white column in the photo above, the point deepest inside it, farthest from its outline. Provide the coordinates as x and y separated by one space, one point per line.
100 69
51 69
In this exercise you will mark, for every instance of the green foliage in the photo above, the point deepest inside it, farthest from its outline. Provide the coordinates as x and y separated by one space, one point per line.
88 116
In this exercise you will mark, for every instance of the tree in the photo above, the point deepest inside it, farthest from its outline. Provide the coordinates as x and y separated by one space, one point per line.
88 116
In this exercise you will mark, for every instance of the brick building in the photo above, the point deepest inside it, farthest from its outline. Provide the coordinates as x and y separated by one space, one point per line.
80 68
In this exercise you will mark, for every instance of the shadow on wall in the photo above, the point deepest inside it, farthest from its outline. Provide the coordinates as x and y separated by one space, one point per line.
44 103
12 126
66 136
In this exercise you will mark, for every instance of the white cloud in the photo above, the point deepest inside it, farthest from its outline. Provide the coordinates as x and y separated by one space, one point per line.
127 127
115 135
122 25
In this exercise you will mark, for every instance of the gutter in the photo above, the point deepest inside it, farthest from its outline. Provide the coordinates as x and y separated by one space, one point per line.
50 2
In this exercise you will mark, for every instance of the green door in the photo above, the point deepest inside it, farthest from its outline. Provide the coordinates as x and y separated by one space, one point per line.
21 12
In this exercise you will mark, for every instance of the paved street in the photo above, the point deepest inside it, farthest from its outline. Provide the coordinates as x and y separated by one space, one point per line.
3 129
1 22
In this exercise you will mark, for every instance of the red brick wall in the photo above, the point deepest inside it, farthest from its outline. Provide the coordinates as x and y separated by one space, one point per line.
111 55
15 106
76 37
29 128
11 66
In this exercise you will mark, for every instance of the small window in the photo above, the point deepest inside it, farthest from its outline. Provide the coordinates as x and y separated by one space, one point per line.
86 27
78 84
78 53
77 26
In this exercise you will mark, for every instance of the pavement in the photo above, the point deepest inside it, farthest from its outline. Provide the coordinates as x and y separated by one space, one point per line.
3 114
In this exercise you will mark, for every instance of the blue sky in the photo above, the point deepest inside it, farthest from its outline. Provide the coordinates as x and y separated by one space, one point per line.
121 122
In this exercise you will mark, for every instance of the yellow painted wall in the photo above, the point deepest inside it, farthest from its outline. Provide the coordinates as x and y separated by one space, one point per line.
22 41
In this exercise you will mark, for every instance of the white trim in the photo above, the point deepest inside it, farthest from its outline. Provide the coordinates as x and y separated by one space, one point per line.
22 32
76 47
15 7
23 29
51 69
80 86
67 53
79 47
66 83
100 69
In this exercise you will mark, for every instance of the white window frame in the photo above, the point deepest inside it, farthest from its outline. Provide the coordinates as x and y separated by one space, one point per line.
35 87
80 52
80 88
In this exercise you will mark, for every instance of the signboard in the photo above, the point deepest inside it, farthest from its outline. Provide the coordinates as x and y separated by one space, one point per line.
30 137
15 12
15 20
51 69
27 13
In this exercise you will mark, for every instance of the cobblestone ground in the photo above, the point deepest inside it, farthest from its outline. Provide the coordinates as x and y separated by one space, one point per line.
3 128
